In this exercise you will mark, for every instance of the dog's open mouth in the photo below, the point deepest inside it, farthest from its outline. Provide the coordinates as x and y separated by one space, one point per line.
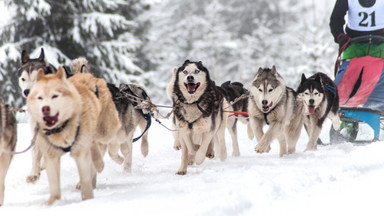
311 109
51 120
192 87
266 108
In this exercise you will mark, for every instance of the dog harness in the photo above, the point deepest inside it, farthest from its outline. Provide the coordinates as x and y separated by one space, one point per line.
190 124
147 116
48 132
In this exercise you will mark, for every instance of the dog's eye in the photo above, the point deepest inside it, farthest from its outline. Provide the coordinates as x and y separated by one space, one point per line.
185 72
22 79
270 90
316 93
54 96
260 90
197 71
39 98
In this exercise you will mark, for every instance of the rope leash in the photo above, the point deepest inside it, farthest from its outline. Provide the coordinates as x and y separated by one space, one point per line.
36 130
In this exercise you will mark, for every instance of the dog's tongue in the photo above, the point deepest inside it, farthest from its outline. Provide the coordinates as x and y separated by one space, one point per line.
51 120
191 87
311 109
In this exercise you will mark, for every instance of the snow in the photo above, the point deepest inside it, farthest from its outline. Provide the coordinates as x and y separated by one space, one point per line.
339 179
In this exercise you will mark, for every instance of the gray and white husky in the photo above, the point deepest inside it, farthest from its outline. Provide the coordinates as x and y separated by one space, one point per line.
198 114
8 136
319 97
272 103
28 70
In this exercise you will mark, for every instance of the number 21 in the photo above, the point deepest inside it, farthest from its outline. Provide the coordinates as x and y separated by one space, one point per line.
365 16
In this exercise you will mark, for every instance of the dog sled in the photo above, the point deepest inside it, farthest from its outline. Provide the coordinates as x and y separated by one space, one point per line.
360 81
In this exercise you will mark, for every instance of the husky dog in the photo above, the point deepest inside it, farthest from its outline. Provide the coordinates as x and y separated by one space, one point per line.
198 114
28 71
8 136
232 91
73 115
125 99
319 97
271 102
27 78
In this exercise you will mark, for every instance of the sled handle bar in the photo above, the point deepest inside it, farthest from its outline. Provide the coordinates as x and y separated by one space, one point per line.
368 38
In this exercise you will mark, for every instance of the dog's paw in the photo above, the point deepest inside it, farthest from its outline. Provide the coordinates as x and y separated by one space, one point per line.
33 178
177 147
210 155
336 124
51 200
199 158
117 158
181 172
235 153
78 186
311 147
262 148
99 165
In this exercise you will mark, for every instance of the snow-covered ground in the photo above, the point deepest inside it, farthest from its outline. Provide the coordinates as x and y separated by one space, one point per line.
334 180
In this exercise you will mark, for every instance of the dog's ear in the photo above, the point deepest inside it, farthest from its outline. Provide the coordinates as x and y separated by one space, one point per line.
24 57
318 78
42 56
40 74
273 69
60 73
187 61
303 78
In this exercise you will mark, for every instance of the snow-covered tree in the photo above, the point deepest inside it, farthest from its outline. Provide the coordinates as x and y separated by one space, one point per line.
233 38
106 32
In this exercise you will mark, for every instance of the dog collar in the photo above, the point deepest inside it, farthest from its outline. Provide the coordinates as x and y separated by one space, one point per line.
56 130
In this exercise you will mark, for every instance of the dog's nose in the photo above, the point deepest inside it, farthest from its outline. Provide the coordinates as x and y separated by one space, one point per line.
264 102
311 101
190 78
46 110
26 92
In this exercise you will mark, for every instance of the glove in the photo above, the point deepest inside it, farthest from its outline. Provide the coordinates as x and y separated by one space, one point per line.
343 40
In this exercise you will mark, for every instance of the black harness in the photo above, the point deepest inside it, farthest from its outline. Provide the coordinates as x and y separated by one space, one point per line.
49 132
190 124
147 116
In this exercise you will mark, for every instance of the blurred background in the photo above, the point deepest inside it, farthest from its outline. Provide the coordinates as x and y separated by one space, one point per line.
141 41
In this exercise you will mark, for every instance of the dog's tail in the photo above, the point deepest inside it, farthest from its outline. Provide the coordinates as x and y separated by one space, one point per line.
80 65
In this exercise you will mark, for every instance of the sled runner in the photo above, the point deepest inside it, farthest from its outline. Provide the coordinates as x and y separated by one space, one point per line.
360 82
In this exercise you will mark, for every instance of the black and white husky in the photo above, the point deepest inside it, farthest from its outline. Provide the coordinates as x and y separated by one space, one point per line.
272 103
319 97
198 114
232 92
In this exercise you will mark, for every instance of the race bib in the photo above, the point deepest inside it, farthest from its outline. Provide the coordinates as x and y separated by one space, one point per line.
365 17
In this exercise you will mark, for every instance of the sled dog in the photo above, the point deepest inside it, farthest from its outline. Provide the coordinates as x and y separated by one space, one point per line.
125 99
71 117
28 71
232 91
27 78
8 136
319 97
198 114
272 103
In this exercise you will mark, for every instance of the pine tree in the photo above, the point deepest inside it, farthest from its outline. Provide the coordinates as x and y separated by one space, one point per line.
106 32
